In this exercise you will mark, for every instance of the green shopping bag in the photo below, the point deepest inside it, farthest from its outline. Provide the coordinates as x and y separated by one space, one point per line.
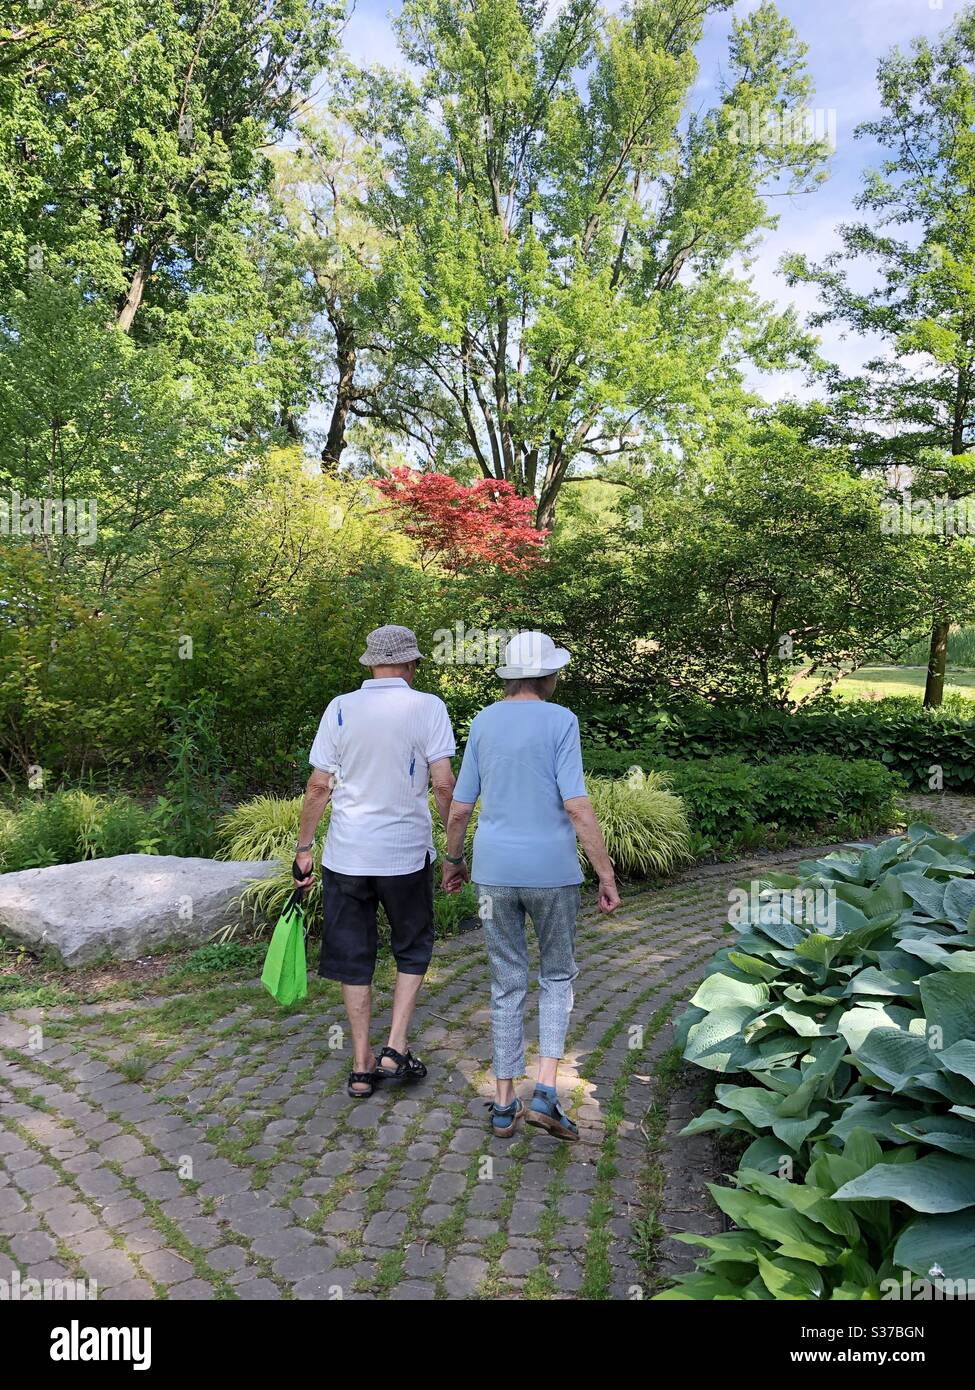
285 973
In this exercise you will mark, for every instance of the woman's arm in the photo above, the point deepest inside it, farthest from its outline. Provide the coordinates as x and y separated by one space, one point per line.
583 818
456 875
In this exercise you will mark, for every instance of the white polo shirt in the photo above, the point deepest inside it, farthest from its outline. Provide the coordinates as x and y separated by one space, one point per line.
380 741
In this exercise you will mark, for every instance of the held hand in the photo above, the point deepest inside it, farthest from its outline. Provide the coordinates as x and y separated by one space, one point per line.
609 898
454 877
306 865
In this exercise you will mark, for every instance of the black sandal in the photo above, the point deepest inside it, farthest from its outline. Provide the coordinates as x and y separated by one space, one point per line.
408 1067
360 1078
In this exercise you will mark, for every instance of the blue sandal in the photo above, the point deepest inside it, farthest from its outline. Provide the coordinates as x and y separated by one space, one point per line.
504 1118
546 1112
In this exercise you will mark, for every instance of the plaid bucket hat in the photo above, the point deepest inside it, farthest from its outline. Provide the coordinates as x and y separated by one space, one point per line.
390 646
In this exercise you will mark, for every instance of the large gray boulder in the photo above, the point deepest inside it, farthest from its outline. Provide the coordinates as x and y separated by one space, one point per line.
123 907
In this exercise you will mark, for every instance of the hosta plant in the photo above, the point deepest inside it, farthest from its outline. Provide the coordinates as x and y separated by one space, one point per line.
843 1015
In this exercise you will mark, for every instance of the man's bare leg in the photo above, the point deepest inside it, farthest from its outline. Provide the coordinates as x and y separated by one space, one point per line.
404 1002
358 1006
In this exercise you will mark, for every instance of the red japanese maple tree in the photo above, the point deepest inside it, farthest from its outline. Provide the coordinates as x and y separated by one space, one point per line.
456 524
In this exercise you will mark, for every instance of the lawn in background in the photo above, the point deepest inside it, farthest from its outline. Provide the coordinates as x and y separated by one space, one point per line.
874 682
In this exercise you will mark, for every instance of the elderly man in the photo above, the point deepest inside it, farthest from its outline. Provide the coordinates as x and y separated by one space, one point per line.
524 760
376 753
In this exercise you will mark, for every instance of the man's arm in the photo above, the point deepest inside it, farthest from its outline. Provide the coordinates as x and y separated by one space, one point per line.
442 780
583 818
318 793
455 875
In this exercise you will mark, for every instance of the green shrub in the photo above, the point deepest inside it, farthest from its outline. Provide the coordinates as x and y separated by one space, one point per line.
731 803
68 826
909 743
848 1004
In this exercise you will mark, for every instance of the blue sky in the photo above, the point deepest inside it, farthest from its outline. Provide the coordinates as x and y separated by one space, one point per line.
845 39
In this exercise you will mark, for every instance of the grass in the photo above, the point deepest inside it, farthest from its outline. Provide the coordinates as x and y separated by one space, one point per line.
876 682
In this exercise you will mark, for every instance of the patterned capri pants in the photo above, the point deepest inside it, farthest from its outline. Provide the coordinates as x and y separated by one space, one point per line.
553 913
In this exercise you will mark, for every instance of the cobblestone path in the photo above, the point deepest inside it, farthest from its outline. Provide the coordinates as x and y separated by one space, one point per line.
202 1146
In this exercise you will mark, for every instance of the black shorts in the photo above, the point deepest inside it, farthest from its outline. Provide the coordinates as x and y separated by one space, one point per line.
349 934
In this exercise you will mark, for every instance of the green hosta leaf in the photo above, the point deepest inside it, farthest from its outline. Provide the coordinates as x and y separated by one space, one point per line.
798 995
787 1279
847 868
960 1058
954 1135
878 901
927 893
782 932
874 981
698 1288
927 950
802 1022
862 1149
685 1023
818 947
896 1057
949 1004
715 1043
764 1154
796 1132
758 1105
751 965
717 1119
752 1212
939 1242
959 902
777 1051
723 992
925 854
958 1089
857 1024
730 1245
935 1183
966 1111
877 1116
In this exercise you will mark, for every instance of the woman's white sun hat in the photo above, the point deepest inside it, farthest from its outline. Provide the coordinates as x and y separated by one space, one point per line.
532 654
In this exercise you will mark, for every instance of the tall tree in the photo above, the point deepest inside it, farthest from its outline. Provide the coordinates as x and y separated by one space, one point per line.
133 141
914 404
323 185
564 233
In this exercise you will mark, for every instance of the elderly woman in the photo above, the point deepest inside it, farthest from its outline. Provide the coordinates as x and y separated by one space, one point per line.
524 760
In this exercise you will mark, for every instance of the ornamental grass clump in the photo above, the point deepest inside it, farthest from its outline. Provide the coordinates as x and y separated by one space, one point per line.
643 823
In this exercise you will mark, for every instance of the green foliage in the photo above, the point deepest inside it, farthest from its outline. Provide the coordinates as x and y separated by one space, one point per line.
450 909
196 779
69 826
218 956
909 743
843 1014
561 241
961 651
644 826
901 415
732 803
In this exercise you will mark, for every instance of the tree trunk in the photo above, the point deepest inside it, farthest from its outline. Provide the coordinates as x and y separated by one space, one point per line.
934 687
345 359
137 289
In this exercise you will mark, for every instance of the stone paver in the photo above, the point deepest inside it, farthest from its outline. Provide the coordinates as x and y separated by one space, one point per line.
237 1166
